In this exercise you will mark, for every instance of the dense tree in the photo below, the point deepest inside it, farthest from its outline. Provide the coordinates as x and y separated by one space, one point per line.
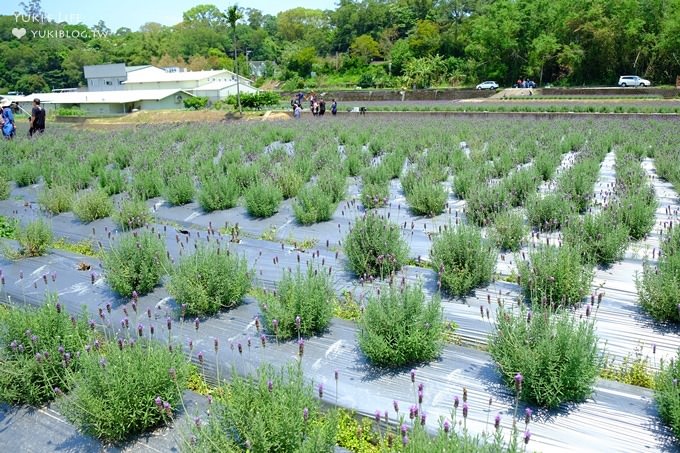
556 41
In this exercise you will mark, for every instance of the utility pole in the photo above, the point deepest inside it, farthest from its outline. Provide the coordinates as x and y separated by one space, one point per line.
233 15
238 88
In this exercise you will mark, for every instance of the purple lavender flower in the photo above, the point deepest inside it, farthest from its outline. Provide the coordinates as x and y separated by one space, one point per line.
197 422
423 419
320 390
197 323
159 402
239 347
336 374
148 313
13 345
140 330
54 276
58 391
134 306
305 414
404 429
216 344
420 397
60 350
125 323
91 324
34 339
168 408
527 415
527 436
395 404
270 386
447 426
200 357
169 323
377 416
135 296
413 376
653 348
404 440
275 325
588 308
58 307
518 382
301 347
38 357
465 410
456 402
263 340
413 412
108 308
298 322
152 329
497 421
529 316
102 362
191 344
120 344
421 386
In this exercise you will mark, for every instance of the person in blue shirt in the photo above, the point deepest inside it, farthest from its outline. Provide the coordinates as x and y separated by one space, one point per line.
8 127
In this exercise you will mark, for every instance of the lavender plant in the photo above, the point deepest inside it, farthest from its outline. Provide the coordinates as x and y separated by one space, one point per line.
35 238
548 213
600 237
131 214
263 199
302 306
125 389
509 231
553 351
375 247
199 283
667 396
92 205
179 189
57 199
555 276
658 287
313 205
135 262
271 411
463 258
218 192
399 327
40 350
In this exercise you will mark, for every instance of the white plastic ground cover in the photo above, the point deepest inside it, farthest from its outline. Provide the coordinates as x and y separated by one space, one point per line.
617 418
620 322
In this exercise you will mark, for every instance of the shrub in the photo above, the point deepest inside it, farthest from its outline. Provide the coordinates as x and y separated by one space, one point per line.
308 295
263 199
179 189
555 276
292 421
131 214
334 183
509 231
631 370
195 103
485 204
637 212
399 327
218 192
5 188
375 195
289 181
40 349
427 198
520 185
600 237
9 226
146 184
659 286
121 390
548 213
555 353
463 258
135 262
92 205
57 199
210 280
667 396
375 247
35 238
313 205
112 181
26 173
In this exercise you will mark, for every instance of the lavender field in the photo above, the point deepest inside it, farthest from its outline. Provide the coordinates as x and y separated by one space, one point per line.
570 222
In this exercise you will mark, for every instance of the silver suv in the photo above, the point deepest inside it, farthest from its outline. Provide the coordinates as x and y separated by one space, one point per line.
633 81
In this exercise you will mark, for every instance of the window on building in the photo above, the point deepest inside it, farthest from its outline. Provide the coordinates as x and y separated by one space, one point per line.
108 82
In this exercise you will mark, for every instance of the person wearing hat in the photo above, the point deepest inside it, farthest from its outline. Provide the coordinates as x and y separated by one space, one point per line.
8 127
37 121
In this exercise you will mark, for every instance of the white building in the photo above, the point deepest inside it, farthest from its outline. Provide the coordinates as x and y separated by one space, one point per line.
215 84
103 103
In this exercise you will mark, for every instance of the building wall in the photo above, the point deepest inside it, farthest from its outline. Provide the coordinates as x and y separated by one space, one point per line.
168 103
105 84
182 85
95 109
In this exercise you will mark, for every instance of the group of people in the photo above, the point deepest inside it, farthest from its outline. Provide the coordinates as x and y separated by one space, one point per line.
524 83
8 125
316 106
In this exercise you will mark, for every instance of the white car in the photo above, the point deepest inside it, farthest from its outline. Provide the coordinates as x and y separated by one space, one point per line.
488 85
633 81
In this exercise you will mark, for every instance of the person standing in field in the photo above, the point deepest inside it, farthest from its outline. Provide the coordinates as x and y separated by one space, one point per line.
7 120
37 121
334 107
